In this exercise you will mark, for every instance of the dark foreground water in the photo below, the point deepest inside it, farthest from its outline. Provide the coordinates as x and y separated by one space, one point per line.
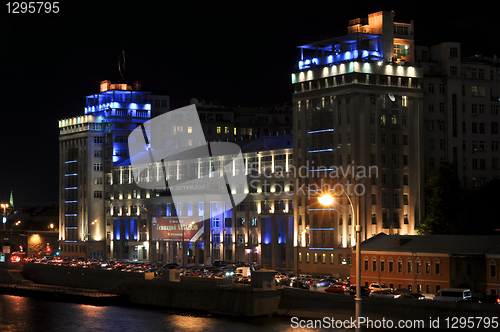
23 314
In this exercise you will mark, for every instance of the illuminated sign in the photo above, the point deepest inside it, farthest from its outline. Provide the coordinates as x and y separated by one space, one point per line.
175 228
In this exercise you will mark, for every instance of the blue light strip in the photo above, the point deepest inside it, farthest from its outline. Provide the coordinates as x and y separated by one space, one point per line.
71 161
71 215
321 249
337 58
321 209
322 169
70 227
319 131
72 174
324 150
70 241
70 201
70 188
321 229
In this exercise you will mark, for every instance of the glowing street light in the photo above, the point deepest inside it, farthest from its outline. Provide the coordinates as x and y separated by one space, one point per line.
327 200
4 220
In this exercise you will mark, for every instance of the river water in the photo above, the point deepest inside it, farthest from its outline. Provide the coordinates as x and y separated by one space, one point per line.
23 314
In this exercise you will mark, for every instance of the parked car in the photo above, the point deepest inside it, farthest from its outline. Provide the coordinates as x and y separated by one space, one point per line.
399 291
365 291
300 284
453 294
491 299
172 266
336 289
379 286
409 296
322 283
381 293
219 263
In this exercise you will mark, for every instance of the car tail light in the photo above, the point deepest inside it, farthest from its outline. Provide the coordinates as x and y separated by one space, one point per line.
498 300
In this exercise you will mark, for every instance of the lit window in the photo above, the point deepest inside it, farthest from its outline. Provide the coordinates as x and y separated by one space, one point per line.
190 130
219 130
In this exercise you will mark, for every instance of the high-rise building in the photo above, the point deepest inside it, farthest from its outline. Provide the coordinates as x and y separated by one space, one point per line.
105 213
358 118
461 102
90 146
149 224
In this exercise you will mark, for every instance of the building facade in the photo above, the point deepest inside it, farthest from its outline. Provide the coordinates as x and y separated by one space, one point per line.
492 276
90 146
358 119
428 263
208 227
105 214
461 102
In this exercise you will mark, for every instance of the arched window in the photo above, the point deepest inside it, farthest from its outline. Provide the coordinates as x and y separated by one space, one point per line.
437 266
391 265
382 264
400 265
409 266
493 269
374 264
428 269
366 267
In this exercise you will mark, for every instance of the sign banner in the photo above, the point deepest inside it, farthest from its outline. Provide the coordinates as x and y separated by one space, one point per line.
174 228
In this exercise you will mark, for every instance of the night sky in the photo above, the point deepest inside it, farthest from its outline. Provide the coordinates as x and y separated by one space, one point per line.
241 53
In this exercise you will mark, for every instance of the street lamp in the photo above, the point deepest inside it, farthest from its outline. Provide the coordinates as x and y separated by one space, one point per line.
4 206
329 200
184 247
224 244
298 253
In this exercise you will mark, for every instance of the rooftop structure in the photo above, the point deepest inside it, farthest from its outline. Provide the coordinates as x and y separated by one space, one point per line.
376 38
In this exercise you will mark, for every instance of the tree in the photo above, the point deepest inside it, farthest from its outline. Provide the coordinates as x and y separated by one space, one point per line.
480 210
442 203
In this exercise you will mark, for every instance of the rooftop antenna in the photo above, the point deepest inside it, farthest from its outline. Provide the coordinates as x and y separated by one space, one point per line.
121 65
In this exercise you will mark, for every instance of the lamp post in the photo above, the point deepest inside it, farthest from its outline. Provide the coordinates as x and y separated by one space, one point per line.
184 247
413 267
327 200
224 245
298 252
4 220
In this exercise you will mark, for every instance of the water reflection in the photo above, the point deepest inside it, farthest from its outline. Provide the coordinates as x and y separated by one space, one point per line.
22 314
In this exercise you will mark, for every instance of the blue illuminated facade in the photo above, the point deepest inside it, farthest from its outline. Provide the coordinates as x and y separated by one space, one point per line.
357 101
91 146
